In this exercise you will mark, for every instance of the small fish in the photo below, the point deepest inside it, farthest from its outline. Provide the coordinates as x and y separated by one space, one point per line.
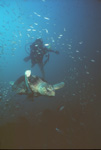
46 44
36 24
53 39
46 18
28 29
61 108
28 35
37 14
69 45
87 72
92 60
20 34
31 26
64 29
59 131
77 51
33 30
46 30
60 35
81 42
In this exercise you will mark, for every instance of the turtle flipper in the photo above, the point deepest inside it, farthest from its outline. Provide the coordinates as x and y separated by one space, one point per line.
58 85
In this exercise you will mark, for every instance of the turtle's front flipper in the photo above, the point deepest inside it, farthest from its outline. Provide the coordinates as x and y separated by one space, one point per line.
58 85
27 74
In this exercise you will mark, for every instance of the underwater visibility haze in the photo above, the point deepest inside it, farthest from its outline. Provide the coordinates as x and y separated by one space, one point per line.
71 118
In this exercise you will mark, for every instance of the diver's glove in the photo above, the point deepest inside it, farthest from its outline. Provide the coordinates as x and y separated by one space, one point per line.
56 52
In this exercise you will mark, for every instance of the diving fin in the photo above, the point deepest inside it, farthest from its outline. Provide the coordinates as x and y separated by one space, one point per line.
27 58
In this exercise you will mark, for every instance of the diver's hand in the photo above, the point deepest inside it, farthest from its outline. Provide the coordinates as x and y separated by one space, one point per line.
57 52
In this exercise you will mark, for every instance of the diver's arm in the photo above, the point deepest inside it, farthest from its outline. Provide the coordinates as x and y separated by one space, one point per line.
50 50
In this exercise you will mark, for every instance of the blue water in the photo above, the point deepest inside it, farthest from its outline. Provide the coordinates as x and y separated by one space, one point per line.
71 119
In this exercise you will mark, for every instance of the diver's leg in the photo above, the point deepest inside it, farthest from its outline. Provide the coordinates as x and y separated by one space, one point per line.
33 63
42 69
46 60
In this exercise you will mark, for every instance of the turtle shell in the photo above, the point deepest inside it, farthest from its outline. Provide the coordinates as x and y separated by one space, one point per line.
20 86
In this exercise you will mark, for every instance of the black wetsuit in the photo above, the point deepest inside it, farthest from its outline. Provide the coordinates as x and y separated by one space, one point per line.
37 52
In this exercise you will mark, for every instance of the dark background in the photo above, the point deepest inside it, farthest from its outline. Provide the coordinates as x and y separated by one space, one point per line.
71 119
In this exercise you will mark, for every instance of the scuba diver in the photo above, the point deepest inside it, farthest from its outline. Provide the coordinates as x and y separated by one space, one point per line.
37 53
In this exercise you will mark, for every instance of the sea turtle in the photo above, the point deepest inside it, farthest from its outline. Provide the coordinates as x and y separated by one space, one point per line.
34 85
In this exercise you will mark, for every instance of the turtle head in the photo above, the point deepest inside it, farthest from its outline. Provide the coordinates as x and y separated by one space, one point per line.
46 89
27 73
